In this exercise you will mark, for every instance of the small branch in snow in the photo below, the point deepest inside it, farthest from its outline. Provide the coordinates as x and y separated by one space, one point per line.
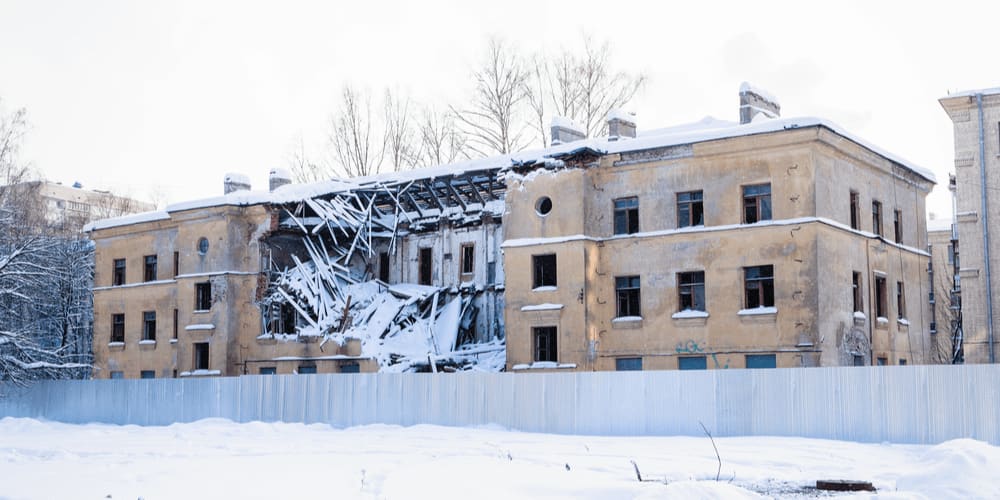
718 472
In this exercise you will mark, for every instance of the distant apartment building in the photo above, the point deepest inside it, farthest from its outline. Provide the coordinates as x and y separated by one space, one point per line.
772 242
69 208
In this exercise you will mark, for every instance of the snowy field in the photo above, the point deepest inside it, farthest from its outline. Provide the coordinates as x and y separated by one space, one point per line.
219 459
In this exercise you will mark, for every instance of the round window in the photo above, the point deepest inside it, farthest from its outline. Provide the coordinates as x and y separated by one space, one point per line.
203 245
543 206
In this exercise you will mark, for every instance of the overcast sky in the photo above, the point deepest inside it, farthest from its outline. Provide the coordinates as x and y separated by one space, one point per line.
139 96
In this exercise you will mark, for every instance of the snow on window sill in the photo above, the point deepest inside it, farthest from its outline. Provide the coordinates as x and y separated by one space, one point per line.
544 365
881 322
627 322
201 311
542 307
860 315
173 341
544 289
758 311
903 321
147 342
116 346
201 373
203 326
689 314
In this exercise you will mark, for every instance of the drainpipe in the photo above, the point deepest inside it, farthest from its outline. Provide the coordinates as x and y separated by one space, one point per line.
986 228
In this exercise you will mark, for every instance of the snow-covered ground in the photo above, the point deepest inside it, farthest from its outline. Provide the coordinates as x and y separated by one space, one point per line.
220 459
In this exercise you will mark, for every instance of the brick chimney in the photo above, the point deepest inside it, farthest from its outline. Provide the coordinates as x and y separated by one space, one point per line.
236 182
565 130
754 101
620 124
278 177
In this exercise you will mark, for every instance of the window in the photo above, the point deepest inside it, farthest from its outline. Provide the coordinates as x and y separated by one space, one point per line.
117 374
203 296
692 363
900 301
882 361
177 263
350 368
627 215
756 203
758 285
307 369
118 328
856 291
855 211
897 225
627 292
176 327
468 263
426 261
149 325
761 361
149 274
383 267
880 298
544 270
543 206
201 355
267 370
902 361
118 277
690 210
877 217
544 338
147 374
691 287
628 364
859 360
202 245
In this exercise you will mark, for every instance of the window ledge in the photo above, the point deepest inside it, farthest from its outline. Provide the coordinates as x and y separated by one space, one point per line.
903 322
116 346
758 315
201 373
881 322
627 322
541 307
204 326
173 341
147 344
690 317
201 311
544 365
544 289
860 318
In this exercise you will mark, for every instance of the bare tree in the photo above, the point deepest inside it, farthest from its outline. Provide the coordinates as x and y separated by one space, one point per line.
303 168
600 88
358 146
400 144
441 141
537 90
493 120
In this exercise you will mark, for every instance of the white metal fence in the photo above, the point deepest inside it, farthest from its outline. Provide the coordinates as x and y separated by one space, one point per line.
907 404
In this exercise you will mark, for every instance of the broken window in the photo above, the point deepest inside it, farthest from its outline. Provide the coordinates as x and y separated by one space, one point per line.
383 267
877 217
691 286
627 292
149 325
149 274
118 277
117 328
897 225
544 270
692 363
690 210
761 361
900 301
758 283
426 260
627 215
468 259
544 343
628 364
756 203
856 292
880 297
855 210
203 296
201 355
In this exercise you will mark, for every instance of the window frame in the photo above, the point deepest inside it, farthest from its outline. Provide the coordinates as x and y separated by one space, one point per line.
858 299
897 225
758 202
539 271
692 363
202 359
855 210
149 325
628 364
881 299
690 289
773 358
877 217
203 296
425 266
628 296
762 286
900 300
149 268
467 259
118 272
625 216
147 374
383 267
690 203
545 344
117 327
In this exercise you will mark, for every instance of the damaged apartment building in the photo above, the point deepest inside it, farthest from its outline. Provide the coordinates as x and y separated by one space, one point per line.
771 242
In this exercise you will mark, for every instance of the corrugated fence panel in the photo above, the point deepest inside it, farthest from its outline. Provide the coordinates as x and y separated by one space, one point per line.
903 404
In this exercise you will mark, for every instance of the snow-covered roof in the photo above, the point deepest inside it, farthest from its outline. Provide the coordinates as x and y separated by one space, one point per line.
621 114
748 87
568 123
939 225
973 92
707 129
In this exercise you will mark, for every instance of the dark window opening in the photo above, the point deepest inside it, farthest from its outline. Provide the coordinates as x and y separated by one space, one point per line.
628 298
383 267
267 370
900 301
692 363
859 360
544 343
628 364
691 286
149 273
350 368
149 325
690 211
468 263
307 369
627 215
882 361
203 296
758 283
426 261
756 203
880 298
855 211
761 361
117 375
856 292
897 225
177 263
147 374
877 217
118 277
201 355
544 270
176 323
902 362
117 328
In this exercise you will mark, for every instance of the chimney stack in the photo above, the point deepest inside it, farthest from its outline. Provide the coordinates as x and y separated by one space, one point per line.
565 130
754 101
620 124
236 182
279 177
